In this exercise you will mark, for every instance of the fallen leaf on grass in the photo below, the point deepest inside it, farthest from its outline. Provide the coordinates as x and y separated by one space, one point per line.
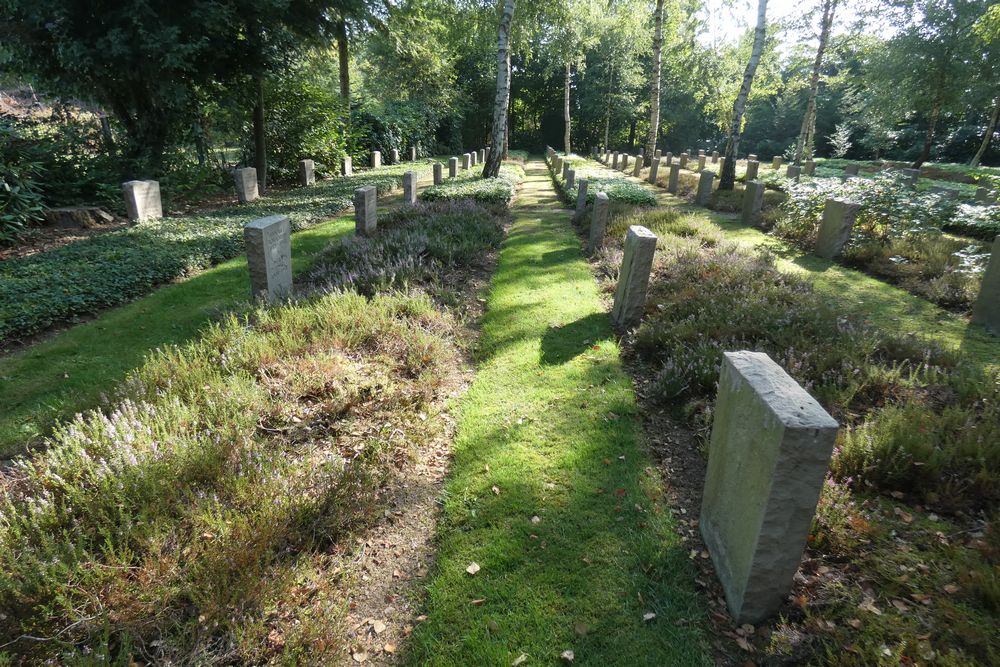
744 644
950 589
868 604
478 601
854 623
520 660
378 627
473 568
536 520
359 656
567 656
648 616
389 648
496 490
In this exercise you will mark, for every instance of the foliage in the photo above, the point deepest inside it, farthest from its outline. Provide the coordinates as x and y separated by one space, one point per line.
494 192
619 189
978 222
84 277
20 183
840 140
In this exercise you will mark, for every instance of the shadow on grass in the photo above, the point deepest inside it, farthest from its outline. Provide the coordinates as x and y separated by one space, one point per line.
560 344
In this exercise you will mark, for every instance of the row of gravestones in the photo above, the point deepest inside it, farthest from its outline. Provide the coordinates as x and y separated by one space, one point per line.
771 442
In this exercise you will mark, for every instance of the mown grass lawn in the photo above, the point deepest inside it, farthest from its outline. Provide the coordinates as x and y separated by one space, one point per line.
551 493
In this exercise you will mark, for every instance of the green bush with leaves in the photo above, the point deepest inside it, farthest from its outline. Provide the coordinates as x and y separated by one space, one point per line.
975 221
619 189
494 192
20 186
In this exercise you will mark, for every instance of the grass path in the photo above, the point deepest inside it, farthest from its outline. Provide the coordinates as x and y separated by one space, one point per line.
885 305
550 491
72 370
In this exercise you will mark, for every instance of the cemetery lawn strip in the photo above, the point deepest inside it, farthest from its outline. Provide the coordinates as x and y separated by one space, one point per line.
551 494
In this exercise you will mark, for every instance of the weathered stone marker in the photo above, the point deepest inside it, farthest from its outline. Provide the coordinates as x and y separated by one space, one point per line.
986 311
704 194
753 166
683 160
376 159
599 221
670 158
674 178
614 160
346 168
624 163
770 449
482 155
365 218
410 187
794 172
910 177
835 227
701 152
142 200
654 167
753 201
473 156
565 170
637 168
633 279
307 172
581 196
395 155
452 167
809 169
851 170
983 195
701 163
246 185
752 157
413 153
715 157
438 170
269 257
776 162
570 178
657 154
466 160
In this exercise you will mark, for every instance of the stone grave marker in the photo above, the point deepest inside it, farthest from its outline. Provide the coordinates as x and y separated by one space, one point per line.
376 159
570 178
413 153
395 155
704 194
637 168
269 257
701 163
410 187
438 169
986 310
633 279
793 172
466 161
776 162
851 170
246 185
715 157
753 167
753 201
365 217
654 167
452 167
307 172
346 168
835 227
809 169
581 196
674 178
142 200
599 221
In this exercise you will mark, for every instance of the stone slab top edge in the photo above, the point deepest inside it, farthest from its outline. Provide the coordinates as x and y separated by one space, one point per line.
260 223
790 403
641 232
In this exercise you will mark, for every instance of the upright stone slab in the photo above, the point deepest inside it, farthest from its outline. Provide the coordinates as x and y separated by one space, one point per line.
776 162
637 168
246 185
410 187
704 194
346 168
565 169
654 167
753 167
614 160
657 154
624 163
482 155
809 168
581 196
752 157
768 456
395 155
365 217
474 158
452 167
851 170
269 257
376 159
142 200
674 179
486 154
701 152
793 172
910 177
307 172
715 157
413 153
986 311
985 196
633 279
753 201
835 227
599 221
466 161
669 157
701 163
438 169
683 161
570 178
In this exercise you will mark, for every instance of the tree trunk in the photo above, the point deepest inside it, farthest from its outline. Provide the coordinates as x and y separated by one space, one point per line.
491 168
988 137
106 138
259 145
343 61
566 117
728 178
654 85
631 135
607 108
925 154
804 146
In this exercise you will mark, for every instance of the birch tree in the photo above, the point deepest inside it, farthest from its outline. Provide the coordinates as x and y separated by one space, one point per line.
807 138
654 83
728 178
501 104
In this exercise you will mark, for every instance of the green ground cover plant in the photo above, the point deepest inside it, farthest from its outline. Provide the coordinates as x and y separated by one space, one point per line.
495 192
907 524
81 278
619 189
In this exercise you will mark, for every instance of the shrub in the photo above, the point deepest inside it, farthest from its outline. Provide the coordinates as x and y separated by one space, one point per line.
494 192
979 222
619 190
20 186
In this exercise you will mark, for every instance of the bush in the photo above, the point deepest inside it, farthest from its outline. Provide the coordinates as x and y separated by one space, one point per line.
619 190
20 186
978 222
495 192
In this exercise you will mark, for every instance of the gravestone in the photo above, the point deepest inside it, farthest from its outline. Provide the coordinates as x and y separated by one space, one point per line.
776 162
657 154
624 163
851 170
599 221
438 169
376 159
452 167
835 227
704 194
809 169
675 175
753 167
984 196
482 155
653 169
142 200
753 157
753 201
486 154
614 160
793 172
633 278
395 155
466 161
570 178
565 169
701 152
669 158
715 157
768 457
473 156
346 169
307 172
581 196
986 311
269 257
246 184
683 161
413 153
701 163
365 218
637 169
910 177
410 187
